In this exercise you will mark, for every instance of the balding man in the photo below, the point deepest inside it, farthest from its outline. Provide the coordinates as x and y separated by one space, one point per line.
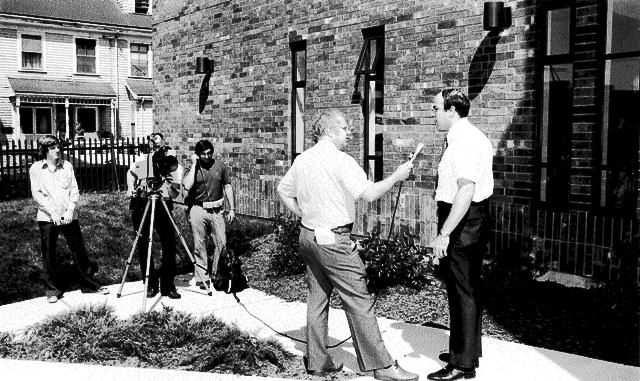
321 187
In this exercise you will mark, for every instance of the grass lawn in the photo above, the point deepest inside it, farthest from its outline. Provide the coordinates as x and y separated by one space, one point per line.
578 321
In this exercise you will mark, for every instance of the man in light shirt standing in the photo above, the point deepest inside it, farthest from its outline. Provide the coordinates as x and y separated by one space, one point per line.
55 190
465 183
321 187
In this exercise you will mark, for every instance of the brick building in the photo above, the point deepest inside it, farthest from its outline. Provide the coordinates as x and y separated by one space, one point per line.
554 90
75 64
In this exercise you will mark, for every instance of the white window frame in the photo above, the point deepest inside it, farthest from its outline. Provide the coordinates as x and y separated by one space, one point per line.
34 120
149 57
19 48
75 55
95 108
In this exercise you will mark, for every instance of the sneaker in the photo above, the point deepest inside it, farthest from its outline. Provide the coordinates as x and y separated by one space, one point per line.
52 298
394 373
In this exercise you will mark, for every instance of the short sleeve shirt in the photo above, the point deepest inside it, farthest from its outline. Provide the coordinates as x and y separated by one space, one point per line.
208 184
469 155
326 182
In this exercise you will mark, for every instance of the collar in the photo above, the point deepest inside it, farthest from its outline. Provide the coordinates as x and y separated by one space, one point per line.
326 142
457 127
45 164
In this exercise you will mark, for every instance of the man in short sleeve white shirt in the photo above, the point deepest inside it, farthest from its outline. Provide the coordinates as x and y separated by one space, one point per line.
321 187
465 183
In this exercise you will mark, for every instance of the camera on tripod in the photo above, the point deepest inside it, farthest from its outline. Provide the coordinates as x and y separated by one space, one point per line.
155 169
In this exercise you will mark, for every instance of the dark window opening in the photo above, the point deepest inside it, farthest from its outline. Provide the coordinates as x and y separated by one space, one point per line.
370 67
31 52
86 55
298 84
142 6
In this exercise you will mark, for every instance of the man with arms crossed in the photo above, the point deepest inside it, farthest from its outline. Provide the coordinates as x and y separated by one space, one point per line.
465 183
321 187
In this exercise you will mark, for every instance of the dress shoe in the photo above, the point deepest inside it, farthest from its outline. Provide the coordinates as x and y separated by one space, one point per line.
320 373
394 373
450 373
445 357
173 294
152 292
99 290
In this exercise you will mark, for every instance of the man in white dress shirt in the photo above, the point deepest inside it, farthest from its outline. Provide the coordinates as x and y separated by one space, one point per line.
321 187
465 183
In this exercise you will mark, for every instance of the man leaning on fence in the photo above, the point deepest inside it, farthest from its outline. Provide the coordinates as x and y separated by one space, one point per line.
55 190
321 187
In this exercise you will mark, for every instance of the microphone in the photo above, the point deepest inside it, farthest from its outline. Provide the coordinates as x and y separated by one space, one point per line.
416 152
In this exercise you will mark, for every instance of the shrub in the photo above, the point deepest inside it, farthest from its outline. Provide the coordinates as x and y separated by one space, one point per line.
286 260
398 261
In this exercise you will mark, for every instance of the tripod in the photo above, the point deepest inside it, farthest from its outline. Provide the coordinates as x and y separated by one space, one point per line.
152 199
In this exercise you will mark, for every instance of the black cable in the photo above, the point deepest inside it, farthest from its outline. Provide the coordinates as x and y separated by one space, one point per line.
291 337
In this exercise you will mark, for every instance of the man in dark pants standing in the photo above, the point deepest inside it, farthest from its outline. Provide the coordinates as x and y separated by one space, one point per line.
170 188
465 183
55 190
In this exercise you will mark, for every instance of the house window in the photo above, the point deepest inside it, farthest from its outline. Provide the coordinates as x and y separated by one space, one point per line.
557 106
31 52
86 55
620 119
370 68
139 60
298 84
88 118
35 120
141 6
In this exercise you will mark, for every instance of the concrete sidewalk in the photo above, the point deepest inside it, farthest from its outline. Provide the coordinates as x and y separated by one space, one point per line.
415 347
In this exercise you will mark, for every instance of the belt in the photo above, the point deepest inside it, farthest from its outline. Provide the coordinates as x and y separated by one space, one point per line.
473 203
200 203
338 229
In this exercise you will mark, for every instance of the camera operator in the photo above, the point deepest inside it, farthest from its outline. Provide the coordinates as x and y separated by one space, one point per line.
208 181
55 190
169 186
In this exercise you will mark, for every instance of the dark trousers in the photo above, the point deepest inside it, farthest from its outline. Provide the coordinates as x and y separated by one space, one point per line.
54 277
165 230
463 266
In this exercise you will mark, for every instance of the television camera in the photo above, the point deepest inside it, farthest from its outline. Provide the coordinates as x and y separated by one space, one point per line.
154 169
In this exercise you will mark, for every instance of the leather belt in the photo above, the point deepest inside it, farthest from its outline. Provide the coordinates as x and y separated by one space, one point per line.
338 229
214 210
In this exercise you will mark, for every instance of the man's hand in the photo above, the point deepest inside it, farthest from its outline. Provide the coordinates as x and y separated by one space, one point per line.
403 171
231 216
67 216
56 218
194 158
439 245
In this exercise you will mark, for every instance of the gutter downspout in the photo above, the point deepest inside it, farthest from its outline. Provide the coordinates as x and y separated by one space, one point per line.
117 110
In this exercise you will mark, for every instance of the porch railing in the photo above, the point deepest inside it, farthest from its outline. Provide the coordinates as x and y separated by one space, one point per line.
99 164
576 242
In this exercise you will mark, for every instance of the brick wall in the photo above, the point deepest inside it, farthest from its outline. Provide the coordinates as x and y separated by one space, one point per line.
429 44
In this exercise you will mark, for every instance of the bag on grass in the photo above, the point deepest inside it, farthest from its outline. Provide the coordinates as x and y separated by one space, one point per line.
229 277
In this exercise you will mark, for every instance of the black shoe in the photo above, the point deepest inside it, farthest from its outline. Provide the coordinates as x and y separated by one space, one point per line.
173 294
152 292
450 373
320 373
202 286
445 357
